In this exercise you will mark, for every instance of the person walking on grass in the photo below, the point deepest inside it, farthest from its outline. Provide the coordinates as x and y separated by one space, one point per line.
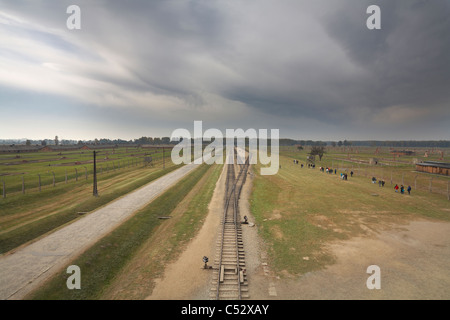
402 189
396 188
409 190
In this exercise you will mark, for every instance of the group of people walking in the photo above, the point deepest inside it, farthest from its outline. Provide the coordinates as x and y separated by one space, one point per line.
344 176
402 189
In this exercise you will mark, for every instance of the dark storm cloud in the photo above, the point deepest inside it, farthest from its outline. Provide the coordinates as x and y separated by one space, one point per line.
301 61
406 63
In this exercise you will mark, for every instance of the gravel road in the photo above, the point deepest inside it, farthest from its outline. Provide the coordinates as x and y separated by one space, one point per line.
25 269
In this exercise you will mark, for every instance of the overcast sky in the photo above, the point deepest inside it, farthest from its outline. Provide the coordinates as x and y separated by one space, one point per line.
145 68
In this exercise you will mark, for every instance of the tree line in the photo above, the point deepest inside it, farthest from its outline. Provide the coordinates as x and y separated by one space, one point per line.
282 142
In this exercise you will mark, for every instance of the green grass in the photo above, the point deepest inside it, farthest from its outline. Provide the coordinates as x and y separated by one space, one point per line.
102 262
167 242
299 211
30 165
190 221
84 202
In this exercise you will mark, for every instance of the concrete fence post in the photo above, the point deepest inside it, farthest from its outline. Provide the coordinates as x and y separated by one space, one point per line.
415 182
23 185
65 177
4 189
448 188
54 180
39 182
76 174
431 184
85 172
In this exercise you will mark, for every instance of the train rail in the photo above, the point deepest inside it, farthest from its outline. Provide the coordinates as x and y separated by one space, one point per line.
230 280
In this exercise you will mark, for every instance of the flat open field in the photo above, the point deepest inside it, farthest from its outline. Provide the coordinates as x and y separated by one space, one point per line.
69 166
313 229
321 232
24 217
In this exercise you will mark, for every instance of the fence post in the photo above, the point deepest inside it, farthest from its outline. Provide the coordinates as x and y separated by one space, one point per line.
448 187
85 171
415 182
54 182
431 182
39 182
402 178
4 189
391 177
23 185
66 177
76 174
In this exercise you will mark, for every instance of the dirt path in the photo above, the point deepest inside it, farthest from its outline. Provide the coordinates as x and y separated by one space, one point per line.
186 279
26 268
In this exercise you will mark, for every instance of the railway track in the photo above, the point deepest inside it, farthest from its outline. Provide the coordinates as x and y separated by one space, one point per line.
229 279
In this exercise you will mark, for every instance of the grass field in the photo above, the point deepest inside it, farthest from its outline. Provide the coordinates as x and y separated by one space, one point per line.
103 264
299 210
22 170
26 217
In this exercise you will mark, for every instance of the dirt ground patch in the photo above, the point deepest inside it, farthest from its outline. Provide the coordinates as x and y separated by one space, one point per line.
413 261
186 279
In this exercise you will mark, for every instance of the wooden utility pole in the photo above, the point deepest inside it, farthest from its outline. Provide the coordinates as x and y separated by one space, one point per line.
164 163
95 191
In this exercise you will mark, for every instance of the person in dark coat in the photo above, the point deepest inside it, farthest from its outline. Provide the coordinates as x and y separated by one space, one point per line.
409 189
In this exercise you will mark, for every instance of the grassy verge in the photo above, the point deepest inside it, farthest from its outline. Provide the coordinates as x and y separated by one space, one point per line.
102 262
118 185
300 210
167 242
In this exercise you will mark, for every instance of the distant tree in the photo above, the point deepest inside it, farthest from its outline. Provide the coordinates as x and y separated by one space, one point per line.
80 142
333 143
96 142
339 144
28 143
44 143
56 141
317 151
165 140
300 148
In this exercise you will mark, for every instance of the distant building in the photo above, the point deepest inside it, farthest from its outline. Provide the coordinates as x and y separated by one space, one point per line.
434 167
18 148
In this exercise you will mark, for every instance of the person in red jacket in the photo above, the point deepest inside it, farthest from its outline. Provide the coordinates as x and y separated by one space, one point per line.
396 188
